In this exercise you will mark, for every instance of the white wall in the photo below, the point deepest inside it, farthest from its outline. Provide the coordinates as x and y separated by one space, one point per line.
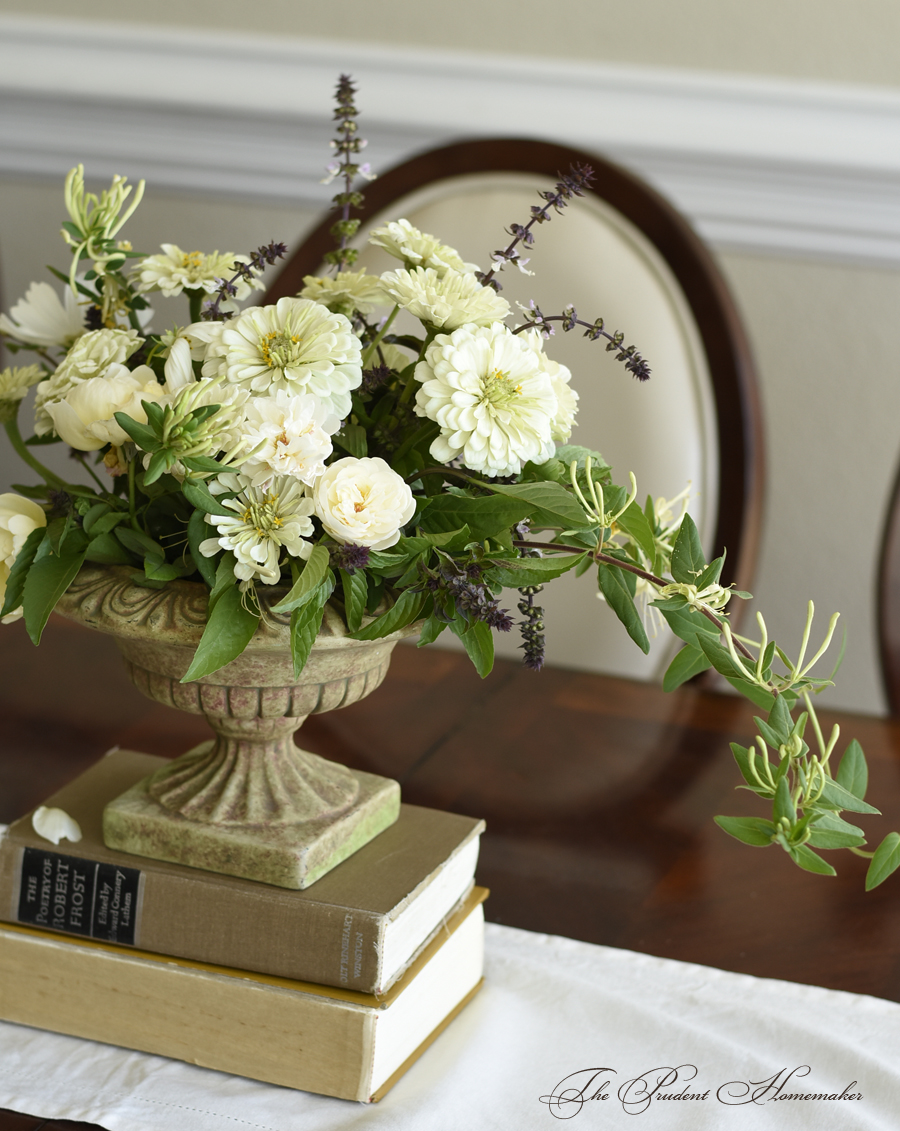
814 269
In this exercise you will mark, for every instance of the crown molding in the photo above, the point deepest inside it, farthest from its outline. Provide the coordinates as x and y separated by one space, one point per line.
789 167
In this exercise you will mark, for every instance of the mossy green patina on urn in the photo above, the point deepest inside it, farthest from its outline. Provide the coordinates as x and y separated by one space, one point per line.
249 802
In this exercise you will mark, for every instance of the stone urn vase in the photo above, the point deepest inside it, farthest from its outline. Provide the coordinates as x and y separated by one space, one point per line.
249 802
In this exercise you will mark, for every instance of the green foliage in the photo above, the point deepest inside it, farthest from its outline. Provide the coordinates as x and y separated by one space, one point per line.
885 861
233 620
620 599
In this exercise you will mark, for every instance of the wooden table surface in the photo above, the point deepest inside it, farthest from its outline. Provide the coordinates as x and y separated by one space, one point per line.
599 796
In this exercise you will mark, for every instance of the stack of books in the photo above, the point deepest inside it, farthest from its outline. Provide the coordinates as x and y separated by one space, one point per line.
335 989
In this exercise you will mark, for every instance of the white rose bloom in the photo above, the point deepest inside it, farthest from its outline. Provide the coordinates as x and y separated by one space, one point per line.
175 271
345 292
296 345
363 501
447 300
91 356
492 398
266 520
418 249
291 435
40 319
18 517
560 376
85 417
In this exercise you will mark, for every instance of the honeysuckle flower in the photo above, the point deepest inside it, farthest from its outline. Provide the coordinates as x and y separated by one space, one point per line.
91 356
18 517
175 271
445 300
288 435
41 319
363 501
491 396
15 382
560 376
266 521
85 417
55 825
296 345
418 249
345 292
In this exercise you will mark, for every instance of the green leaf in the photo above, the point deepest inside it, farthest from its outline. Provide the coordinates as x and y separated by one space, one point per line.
811 861
853 773
159 464
686 623
780 721
158 569
228 631
305 624
139 542
198 495
783 806
478 641
143 436
712 573
751 830
742 757
98 510
567 453
756 694
306 585
453 541
517 572
885 861
356 589
686 664
224 580
769 735
352 439
46 582
199 530
688 561
484 517
835 796
15 583
634 522
202 463
827 830
619 599
431 630
403 612
107 550
552 504
106 523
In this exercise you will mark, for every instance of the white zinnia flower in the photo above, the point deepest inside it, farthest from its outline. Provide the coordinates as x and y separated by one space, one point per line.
296 345
446 301
85 417
14 384
560 376
345 292
418 249
363 501
176 270
266 520
40 319
91 356
18 517
492 398
290 435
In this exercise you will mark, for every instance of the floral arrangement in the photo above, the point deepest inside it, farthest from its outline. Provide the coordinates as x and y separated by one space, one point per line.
301 453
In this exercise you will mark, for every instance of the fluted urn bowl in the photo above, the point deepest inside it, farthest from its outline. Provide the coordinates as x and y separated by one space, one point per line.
250 802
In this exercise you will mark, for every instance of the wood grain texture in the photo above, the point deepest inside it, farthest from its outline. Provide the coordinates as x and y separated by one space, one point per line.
599 796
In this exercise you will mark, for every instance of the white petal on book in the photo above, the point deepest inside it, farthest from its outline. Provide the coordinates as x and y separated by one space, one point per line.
55 825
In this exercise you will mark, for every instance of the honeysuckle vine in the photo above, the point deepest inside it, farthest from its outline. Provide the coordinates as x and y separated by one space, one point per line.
304 453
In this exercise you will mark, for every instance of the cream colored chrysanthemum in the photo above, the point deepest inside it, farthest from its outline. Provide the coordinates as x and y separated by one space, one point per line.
418 249
560 376
289 435
40 319
266 521
175 271
15 382
445 301
296 345
91 356
492 398
345 292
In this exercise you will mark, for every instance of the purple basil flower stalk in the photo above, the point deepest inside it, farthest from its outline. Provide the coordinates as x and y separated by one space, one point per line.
350 557
469 595
348 146
532 628
226 288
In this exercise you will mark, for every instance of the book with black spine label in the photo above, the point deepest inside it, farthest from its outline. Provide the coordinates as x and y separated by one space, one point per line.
359 927
316 1038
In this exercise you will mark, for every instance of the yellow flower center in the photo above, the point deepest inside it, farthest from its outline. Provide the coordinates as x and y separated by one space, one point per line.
498 389
262 516
279 349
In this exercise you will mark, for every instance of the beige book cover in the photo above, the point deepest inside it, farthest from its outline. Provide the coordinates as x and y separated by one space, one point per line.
358 927
315 1038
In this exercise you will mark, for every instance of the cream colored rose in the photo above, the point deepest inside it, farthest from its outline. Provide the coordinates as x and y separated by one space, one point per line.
85 417
363 501
18 517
